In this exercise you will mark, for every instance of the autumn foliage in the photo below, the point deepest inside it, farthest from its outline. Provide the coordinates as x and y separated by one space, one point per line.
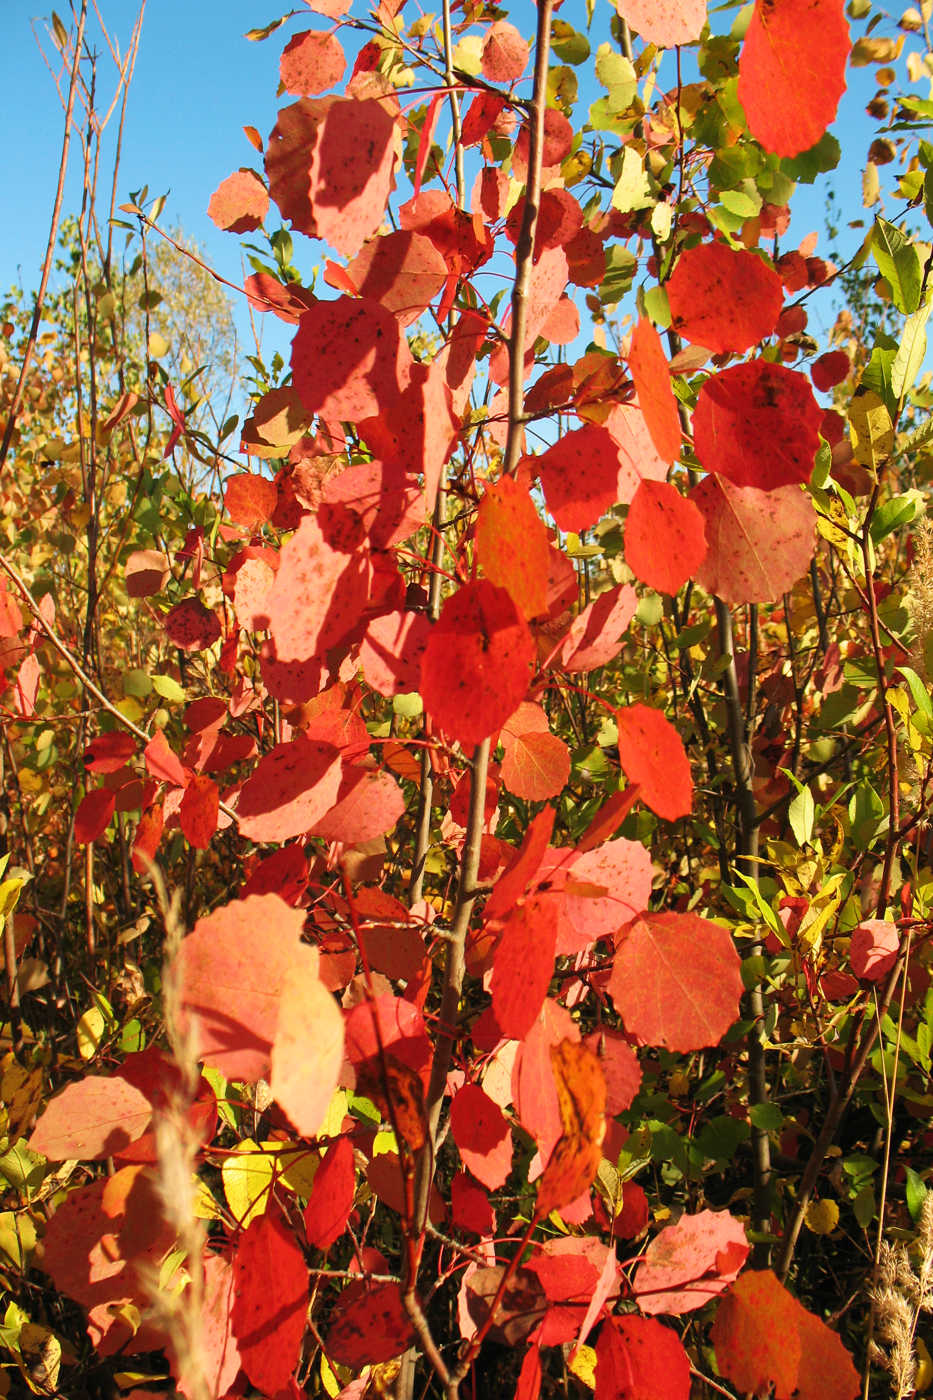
488 951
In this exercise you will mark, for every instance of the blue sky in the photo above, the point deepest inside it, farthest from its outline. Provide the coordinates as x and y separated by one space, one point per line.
198 80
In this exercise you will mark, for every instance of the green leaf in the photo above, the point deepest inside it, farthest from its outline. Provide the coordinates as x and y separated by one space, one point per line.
898 511
137 683
915 1192
409 706
766 1117
899 264
569 45
801 814
820 158
910 353
632 189
169 689
919 692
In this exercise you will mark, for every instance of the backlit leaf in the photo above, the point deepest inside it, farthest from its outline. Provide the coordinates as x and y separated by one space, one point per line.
792 71
759 543
638 1358
652 755
94 1117
665 542
651 374
758 424
690 1262
675 981
477 664
724 298
270 1281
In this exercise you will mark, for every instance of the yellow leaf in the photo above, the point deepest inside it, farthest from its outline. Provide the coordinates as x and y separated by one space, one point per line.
90 1030
247 1177
870 429
583 1365
924 1377
158 345
822 1217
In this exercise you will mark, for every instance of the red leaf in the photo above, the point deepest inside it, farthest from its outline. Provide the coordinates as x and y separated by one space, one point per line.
351 172
579 476
534 1091
652 755
724 298
162 763
191 626
331 1198
232 971
349 359
756 1334
403 271
620 1066
197 814
311 62
392 650
147 838
93 815
318 595
477 664
758 424
523 966
665 542
369 803
219 1357
874 948
675 981
524 868
505 53
250 500
370 1326
291 788
826 1371
269 1310
581 1101
147 572
640 1359
108 753
831 368
482 1135
690 1262
606 887
651 374
792 72
240 203
759 543
469 1206
512 545
528 1386
307 1050
95 1117
595 634
536 766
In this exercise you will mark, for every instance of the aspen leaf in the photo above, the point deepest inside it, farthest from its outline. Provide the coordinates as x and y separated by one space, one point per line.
536 766
512 545
724 298
651 374
758 424
690 1262
758 543
482 1135
291 788
652 755
675 981
94 1117
311 62
665 542
595 635
477 664
240 203
270 1280
369 1325
579 476
505 53
523 965
873 949
331 1198
307 1050
666 23
232 971
581 1100
792 72
638 1358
